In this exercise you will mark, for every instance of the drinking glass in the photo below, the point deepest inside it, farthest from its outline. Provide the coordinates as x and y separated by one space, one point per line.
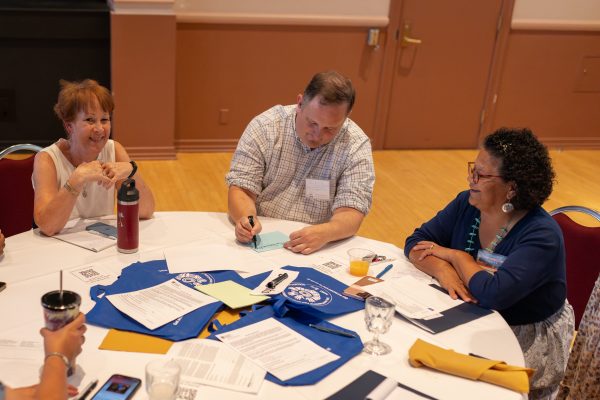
162 379
379 313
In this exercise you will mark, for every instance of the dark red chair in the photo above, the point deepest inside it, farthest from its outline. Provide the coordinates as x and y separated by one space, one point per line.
16 201
582 245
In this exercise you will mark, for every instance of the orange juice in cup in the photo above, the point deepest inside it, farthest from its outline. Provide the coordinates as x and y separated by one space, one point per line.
360 261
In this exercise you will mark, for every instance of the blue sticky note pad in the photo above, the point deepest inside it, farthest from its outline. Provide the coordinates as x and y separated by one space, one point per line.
270 241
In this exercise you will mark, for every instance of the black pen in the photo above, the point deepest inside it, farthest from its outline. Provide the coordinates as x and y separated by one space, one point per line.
280 278
251 220
332 330
88 390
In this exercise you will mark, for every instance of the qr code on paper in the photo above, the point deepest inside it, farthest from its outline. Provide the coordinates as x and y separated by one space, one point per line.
331 265
88 273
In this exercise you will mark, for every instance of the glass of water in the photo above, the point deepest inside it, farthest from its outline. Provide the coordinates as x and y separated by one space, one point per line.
379 313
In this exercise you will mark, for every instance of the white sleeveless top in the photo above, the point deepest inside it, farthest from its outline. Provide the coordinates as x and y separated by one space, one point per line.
99 200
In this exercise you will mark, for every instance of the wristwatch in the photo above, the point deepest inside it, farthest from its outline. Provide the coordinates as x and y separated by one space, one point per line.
2 394
133 171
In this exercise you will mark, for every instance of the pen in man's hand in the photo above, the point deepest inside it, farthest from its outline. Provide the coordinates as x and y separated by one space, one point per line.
332 330
251 220
386 269
86 392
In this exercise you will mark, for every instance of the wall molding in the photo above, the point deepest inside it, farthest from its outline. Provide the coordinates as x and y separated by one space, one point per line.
142 7
205 145
152 153
555 25
281 19
571 142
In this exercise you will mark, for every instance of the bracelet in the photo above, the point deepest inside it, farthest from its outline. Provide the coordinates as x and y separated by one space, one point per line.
71 189
134 170
62 357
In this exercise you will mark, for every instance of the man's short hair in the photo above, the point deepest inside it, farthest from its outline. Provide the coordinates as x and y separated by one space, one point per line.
333 87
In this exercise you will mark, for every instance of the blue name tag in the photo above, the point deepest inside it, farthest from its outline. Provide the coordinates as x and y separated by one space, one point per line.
490 261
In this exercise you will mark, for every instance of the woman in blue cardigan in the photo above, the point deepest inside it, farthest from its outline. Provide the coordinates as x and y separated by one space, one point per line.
496 246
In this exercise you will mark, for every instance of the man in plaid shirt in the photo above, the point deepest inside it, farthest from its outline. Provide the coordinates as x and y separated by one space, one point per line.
305 162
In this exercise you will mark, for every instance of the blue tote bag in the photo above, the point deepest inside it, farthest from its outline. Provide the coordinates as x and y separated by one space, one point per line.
139 276
313 293
345 347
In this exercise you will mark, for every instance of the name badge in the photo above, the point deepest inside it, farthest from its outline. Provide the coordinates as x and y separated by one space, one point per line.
317 189
490 261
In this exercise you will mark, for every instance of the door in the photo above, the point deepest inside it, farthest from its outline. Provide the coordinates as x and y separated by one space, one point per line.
441 64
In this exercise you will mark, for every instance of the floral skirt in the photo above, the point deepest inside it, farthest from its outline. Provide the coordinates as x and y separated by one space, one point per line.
582 379
545 346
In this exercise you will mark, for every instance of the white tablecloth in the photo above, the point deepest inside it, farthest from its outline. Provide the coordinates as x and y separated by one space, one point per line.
31 263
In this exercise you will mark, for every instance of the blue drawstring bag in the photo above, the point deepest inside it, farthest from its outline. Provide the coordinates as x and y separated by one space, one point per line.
345 347
313 293
139 276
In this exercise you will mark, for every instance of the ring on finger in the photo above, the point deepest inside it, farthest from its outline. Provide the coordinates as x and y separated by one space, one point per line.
431 247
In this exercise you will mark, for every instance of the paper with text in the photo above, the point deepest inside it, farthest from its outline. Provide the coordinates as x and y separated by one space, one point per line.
280 350
213 363
155 306
413 298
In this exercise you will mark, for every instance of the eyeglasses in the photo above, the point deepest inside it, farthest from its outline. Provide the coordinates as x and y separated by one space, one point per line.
475 176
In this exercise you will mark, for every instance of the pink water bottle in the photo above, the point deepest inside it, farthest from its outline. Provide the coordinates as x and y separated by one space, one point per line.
128 227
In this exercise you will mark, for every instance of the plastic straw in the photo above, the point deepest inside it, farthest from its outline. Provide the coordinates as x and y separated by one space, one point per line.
61 288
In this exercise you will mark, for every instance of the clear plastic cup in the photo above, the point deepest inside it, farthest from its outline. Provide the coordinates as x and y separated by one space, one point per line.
162 379
360 261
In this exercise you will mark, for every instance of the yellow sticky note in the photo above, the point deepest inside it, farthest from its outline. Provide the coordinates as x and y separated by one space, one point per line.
231 293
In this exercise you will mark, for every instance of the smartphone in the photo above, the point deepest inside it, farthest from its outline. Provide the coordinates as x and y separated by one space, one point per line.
103 229
2 286
118 387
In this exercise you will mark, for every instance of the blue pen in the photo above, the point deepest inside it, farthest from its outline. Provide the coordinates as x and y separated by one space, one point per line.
386 269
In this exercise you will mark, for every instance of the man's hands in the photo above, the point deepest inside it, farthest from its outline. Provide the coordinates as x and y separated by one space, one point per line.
244 231
307 240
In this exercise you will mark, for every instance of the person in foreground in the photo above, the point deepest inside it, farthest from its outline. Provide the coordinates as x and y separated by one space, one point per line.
78 176
2 243
59 346
305 162
495 245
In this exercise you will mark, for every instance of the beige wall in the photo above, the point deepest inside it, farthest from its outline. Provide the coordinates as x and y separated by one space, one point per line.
192 86
550 82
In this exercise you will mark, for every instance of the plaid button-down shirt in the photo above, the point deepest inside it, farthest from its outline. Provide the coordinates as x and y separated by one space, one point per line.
272 162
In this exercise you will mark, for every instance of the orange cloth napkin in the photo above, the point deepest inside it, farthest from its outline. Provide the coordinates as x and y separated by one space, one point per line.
491 371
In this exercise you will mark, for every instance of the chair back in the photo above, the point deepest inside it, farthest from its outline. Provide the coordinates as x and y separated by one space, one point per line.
16 201
582 246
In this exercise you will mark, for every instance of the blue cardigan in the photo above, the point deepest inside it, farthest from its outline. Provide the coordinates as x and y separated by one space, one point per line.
530 285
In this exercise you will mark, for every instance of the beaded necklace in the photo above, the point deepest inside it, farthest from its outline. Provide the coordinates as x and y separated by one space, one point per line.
471 236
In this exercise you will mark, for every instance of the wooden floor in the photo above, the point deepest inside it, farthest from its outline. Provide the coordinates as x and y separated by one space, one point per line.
410 187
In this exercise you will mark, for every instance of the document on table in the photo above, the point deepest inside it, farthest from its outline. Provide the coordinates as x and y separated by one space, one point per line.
213 363
199 256
155 306
75 233
20 360
280 350
414 298
426 306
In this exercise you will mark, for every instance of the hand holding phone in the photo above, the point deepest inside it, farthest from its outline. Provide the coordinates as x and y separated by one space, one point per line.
118 387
